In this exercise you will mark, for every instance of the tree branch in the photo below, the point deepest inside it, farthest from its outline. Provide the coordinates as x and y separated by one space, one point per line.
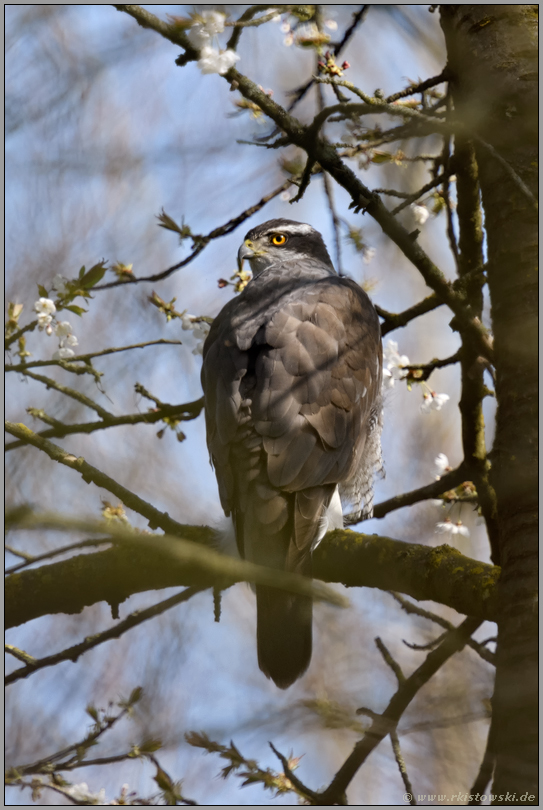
441 574
74 652
186 412
392 320
386 722
92 474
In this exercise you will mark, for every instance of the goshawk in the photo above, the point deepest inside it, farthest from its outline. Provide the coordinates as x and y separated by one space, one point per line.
292 383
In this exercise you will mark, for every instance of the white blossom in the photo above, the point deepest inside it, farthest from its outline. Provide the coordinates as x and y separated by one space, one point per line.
420 213
63 354
44 321
70 340
448 527
44 306
212 61
331 24
367 254
285 27
288 40
63 328
393 364
82 793
60 284
433 402
285 196
441 465
201 33
187 321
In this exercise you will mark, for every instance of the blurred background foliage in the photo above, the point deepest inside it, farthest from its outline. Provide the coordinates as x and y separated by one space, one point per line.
102 132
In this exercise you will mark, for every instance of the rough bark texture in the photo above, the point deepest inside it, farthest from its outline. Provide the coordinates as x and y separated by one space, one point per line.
441 574
492 53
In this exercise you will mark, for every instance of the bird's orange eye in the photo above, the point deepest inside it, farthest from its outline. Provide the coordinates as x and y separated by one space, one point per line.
278 239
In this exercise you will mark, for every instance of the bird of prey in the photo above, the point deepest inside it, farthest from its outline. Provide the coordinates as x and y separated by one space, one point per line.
291 374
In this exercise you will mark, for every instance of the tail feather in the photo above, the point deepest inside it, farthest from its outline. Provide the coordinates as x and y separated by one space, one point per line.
283 634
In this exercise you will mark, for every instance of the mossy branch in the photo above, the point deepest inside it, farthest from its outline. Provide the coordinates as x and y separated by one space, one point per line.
151 562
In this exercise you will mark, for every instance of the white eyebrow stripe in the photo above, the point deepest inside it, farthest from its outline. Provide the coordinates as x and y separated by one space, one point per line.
300 228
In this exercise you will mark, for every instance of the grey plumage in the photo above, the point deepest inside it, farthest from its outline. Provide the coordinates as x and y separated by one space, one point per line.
292 381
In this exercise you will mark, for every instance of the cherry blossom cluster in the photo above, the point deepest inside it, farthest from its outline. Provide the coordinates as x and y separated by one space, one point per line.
432 401
200 330
208 25
47 322
395 368
394 363
448 527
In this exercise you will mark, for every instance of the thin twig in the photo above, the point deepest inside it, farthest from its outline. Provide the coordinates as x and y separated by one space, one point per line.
448 481
85 358
390 661
415 610
411 198
73 653
69 392
392 320
20 655
23 554
19 333
388 720
426 369
358 17
413 89
92 474
402 767
301 789
185 413
56 552
203 241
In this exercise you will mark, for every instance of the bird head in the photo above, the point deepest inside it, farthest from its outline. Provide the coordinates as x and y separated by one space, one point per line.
279 241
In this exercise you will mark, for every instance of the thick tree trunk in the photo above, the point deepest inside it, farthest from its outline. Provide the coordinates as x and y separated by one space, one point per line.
492 53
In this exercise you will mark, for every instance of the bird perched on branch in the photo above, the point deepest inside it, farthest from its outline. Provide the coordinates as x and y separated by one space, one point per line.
292 383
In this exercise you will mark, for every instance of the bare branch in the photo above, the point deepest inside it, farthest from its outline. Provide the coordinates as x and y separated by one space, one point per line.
415 610
402 767
73 653
386 722
390 661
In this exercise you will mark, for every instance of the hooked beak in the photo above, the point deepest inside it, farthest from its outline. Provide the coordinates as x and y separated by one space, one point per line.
248 251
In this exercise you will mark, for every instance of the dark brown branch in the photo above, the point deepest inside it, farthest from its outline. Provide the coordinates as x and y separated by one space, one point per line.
434 490
393 320
202 241
92 474
388 720
426 369
441 574
390 661
73 653
420 88
415 610
186 412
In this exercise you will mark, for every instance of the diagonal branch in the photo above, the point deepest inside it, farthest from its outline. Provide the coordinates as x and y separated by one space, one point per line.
387 722
186 412
74 652
92 474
